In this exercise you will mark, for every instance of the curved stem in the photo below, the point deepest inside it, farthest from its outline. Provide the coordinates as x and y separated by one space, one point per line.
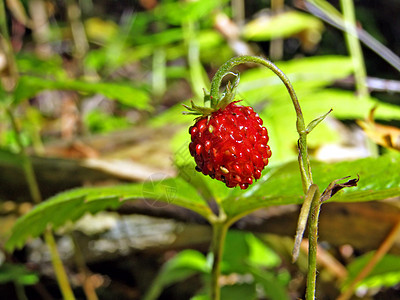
304 165
300 125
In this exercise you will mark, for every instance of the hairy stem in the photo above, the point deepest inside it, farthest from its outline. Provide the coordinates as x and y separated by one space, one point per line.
313 245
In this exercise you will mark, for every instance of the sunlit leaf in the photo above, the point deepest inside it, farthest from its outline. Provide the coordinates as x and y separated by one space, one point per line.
177 12
385 274
379 179
315 103
161 38
239 291
31 64
73 204
273 288
29 86
183 265
233 261
100 30
17 273
281 25
100 122
260 254
306 75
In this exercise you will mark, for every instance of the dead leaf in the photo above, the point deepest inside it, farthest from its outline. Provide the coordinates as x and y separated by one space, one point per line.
384 135
335 187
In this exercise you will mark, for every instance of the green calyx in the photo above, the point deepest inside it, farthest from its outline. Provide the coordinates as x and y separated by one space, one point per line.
226 98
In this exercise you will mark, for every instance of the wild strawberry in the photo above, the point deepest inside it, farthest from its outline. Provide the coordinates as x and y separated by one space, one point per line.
229 144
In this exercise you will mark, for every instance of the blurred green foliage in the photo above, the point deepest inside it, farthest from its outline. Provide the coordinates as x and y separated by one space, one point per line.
150 61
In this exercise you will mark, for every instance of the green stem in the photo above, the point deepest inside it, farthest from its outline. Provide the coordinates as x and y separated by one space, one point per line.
87 284
3 21
313 245
58 266
302 222
20 291
159 80
305 169
220 228
26 162
37 198
10 84
354 47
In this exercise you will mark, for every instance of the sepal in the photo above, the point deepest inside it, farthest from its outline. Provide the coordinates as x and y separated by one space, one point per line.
316 121
197 110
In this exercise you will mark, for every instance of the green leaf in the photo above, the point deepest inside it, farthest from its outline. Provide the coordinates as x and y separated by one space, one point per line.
281 25
260 255
17 273
315 103
249 250
273 288
309 76
236 251
183 265
29 86
178 12
73 204
29 63
200 297
306 74
385 274
173 115
379 179
162 38
10 158
98 121
240 291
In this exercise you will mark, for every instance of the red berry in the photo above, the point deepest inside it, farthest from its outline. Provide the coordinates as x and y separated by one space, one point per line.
230 145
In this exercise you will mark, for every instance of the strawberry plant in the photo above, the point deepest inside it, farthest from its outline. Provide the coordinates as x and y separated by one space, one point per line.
278 185
237 156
